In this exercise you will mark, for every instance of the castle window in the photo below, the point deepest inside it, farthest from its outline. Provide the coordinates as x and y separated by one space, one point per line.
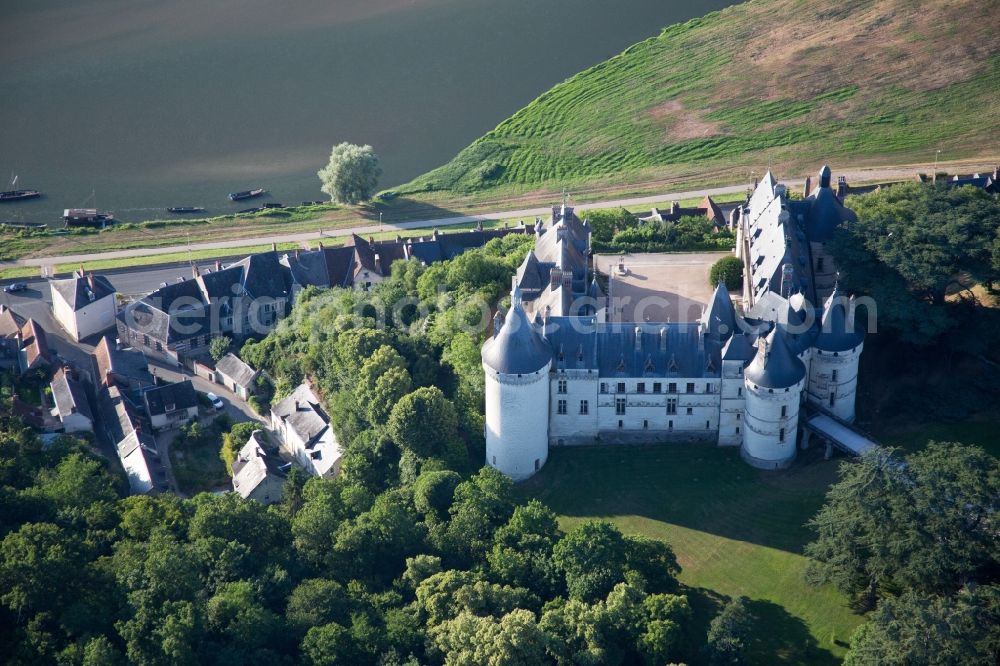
640 387
619 406
620 424
645 424
833 375
584 407
708 388
604 387
781 435
561 384
670 425
833 397
657 387
708 425
739 391
621 387
738 416
819 263
561 407
671 405
690 387
737 430
690 411
784 411
671 387
538 464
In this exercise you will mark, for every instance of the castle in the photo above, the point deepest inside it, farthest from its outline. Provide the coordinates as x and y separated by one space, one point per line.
559 371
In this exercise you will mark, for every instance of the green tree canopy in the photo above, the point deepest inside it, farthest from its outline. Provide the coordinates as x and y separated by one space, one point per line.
351 175
728 271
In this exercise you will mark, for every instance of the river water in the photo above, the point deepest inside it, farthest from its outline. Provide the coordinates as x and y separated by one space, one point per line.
136 105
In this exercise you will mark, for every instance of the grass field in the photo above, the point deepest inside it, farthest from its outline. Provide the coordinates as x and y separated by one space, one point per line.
735 530
786 82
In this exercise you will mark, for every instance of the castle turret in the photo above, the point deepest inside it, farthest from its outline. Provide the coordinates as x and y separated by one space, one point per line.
773 385
516 360
833 373
719 319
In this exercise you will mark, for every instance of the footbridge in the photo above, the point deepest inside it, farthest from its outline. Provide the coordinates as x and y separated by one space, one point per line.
835 432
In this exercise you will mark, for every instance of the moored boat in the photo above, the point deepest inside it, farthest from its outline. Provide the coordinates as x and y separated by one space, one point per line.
86 217
186 209
19 195
246 194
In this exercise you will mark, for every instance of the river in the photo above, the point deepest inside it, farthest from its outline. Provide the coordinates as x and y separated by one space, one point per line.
136 105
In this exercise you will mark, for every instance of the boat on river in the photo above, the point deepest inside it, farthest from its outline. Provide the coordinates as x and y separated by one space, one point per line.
86 217
246 194
19 195
181 210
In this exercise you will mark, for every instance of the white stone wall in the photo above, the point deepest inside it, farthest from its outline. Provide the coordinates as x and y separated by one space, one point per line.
95 318
842 365
573 427
517 422
647 411
733 404
763 445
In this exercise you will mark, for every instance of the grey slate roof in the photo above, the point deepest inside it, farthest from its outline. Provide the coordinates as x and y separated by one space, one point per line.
822 210
252 465
837 331
739 348
720 316
517 348
775 366
303 413
70 395
80 291
233 367
181 395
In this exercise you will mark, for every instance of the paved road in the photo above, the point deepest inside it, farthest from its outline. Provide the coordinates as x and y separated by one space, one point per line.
367 229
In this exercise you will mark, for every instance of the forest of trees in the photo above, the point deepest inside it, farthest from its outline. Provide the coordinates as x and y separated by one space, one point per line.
618 230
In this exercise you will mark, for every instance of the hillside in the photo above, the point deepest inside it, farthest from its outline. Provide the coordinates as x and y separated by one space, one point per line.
793 82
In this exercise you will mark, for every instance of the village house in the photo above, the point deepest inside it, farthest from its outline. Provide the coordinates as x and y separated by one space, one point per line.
170 405
236 376
135 446
33 347
72 406
84 305
257 475
302 428
177 322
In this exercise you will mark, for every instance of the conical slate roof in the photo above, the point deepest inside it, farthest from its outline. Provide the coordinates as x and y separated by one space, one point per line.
528 275
517 348
837 332
720 317
826 212
775 366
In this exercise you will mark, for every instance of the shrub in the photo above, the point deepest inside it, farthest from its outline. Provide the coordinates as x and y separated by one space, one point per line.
729 271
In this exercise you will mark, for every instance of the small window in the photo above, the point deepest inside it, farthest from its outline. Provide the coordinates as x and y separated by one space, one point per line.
819 264
671 405
562 386
833 375
739 391
739 416
645 424
584 407
737 430
784 411
538 464
604 387
690 411
781 435
620 424
672 387
562 407
621 387
657 387
708 425
494 461
640 387
708 388
690 387
670 425
833 398
619 405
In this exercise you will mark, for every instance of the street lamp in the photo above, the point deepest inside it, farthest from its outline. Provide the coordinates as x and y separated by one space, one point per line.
380 221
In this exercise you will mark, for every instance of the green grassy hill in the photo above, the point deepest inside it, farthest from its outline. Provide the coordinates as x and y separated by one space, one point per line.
793 82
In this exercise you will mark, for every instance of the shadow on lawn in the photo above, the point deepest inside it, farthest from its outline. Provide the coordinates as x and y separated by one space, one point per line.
777 636
698 486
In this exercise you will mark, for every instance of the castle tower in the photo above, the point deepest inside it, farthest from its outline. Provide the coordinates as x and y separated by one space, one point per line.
773 385
833 373
516 360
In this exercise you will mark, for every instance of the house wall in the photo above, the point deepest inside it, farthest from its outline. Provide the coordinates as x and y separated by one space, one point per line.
573 427
76 422
732 404
664 413
173 419
268 491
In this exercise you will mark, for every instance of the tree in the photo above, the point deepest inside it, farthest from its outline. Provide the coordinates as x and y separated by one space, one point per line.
330 645
351 175
382 381
425 422
963 630
219 347
480 505
433 492
522 550
729 634
728 271
928 525
315 602
592 557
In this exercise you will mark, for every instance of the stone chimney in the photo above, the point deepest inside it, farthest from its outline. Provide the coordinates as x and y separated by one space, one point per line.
371 240
807 187
92 283
319 245
567 280
82 271
497 323
663 338
555 278
638 339
435 234
194 270
675 208
218 265
274 247
378 264
841 187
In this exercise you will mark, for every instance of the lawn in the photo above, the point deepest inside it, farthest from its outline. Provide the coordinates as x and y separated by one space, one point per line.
735 530
194 457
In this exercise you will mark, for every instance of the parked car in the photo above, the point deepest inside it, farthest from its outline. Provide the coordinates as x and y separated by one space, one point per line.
216 401
15 286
